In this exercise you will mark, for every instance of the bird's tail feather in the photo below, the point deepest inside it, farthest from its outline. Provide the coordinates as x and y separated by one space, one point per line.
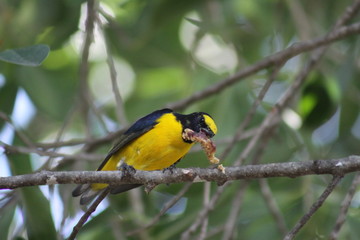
123 188
88 194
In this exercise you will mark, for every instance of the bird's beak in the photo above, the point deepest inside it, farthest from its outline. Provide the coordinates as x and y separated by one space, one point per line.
207 132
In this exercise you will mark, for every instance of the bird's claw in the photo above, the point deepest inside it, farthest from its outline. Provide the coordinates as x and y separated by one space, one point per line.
171 169
127 169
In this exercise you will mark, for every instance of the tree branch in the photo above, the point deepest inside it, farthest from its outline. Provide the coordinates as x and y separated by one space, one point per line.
290 169
237 202
87 214
120 111
9 149
345 207
272 119
273 206
313 208
166 207
275 59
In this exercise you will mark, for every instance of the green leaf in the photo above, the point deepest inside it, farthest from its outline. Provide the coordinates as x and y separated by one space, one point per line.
29 56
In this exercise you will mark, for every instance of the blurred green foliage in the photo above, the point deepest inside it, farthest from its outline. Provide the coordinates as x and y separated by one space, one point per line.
28 56
165 51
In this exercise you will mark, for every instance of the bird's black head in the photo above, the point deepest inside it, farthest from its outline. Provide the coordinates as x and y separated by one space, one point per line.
198 122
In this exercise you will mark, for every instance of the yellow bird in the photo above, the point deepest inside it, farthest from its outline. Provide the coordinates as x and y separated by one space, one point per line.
153 142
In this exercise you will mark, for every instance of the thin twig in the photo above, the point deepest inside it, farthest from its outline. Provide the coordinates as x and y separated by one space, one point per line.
219 191
350 13
290 235
87 214
272 206
166 207
7 200
49 161
137 205
268 123
91 143
120 112
249 116
214 231
203 213
26 150
206 201
84 65
303 23
235 209
22 136
273 117
279 57
345 207
270 120
237 202
86 99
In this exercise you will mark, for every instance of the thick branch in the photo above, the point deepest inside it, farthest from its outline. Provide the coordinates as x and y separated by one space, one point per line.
288 169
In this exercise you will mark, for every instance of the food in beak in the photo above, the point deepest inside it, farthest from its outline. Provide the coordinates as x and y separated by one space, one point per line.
206 143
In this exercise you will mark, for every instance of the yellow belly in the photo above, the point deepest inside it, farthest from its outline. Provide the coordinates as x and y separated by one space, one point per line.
157 149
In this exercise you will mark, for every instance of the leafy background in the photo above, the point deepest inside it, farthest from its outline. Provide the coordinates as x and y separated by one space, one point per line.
164 51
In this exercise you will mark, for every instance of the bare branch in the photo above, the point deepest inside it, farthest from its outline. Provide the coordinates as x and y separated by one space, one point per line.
84 92
166 207
290 169
272 119
87 214
120 112
203 213
237 202
272 206
206 201
249 116
91 143
275 59
27 150
17 129
350 12
345 207
314 207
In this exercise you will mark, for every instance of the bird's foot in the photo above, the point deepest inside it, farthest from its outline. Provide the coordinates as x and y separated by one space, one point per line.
170 169
126 169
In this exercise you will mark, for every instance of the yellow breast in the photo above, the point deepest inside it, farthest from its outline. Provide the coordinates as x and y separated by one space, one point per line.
157 149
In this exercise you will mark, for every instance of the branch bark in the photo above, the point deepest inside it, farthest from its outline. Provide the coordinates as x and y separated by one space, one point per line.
289 169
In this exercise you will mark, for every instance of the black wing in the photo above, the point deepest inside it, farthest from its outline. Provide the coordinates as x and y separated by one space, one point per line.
140 127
